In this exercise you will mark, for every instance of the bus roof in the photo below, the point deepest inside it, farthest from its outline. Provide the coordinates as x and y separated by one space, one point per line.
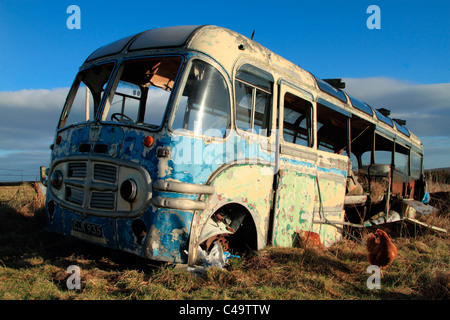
227 46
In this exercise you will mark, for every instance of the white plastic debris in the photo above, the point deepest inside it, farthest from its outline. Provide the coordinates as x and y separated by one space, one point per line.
214 258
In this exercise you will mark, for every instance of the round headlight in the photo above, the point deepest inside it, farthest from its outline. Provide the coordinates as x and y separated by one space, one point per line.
128 190
56 179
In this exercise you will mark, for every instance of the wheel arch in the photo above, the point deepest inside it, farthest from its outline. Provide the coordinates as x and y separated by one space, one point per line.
245 236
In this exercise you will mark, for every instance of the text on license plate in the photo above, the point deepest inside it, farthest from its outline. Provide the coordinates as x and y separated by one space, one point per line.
91 229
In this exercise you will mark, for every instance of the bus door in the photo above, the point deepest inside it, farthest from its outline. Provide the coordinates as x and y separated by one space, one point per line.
295 180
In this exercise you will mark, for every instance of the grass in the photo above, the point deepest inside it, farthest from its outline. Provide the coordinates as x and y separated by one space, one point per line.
33 266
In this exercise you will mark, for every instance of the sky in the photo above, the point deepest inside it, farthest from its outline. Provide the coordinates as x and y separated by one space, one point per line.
403 65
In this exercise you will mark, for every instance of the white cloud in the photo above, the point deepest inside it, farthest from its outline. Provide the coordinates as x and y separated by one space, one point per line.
42 99
426 109
29 117
27 127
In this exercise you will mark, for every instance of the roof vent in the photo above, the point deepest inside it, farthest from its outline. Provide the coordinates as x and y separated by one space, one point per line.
336 83
384 112
400 121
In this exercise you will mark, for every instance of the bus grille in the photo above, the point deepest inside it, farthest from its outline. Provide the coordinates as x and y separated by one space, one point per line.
75 195
103 200
105 173
90 186
98 178
77 170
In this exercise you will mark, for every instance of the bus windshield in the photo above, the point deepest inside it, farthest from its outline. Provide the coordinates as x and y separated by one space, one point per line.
85 95
142 92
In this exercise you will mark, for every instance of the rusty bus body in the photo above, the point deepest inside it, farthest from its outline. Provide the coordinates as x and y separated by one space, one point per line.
194 134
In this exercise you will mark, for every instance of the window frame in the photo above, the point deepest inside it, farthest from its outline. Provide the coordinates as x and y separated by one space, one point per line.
413 154
245 63
323 106
106 106
73 92
310 112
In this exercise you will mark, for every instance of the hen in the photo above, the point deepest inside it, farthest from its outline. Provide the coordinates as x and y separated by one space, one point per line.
381 250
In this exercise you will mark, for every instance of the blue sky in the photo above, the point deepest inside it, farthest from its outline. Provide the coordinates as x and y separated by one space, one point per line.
409 54
328 38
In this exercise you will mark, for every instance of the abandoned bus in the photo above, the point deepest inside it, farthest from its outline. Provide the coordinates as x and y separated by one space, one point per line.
177 138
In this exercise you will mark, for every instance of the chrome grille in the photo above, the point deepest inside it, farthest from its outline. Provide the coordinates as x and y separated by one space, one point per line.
77 169
105 172
91 186
75 195
103 200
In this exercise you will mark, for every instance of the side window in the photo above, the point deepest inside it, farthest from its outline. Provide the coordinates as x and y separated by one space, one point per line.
401 159
331 130
82 109
416 166
204 106
253 95
383 150
297 120
86 94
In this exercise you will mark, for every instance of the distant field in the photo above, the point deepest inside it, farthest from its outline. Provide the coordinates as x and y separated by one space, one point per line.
33 265
438 180
25 192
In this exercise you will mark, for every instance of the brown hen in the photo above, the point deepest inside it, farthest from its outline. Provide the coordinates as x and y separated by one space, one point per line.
380 249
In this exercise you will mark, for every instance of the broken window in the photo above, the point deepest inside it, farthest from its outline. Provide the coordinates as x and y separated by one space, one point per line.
142 91
204 106
297 120
85 95
253 94
416 166
383 150
401 159
331 128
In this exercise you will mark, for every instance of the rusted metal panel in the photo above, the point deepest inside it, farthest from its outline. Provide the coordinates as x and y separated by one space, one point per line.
411 212
416 209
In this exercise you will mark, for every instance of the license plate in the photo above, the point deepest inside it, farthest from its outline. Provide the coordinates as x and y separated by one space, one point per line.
87 228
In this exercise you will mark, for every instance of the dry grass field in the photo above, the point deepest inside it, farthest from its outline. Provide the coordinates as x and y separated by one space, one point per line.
33 266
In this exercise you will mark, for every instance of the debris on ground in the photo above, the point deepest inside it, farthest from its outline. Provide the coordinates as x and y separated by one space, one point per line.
216 257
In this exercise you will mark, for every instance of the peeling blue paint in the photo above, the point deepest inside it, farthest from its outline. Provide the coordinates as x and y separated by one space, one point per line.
167 234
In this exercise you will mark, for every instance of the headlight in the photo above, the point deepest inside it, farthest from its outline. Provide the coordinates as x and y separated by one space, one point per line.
56 179
128 190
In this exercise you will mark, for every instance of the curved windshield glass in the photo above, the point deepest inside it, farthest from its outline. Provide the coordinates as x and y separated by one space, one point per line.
204 106
85 95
